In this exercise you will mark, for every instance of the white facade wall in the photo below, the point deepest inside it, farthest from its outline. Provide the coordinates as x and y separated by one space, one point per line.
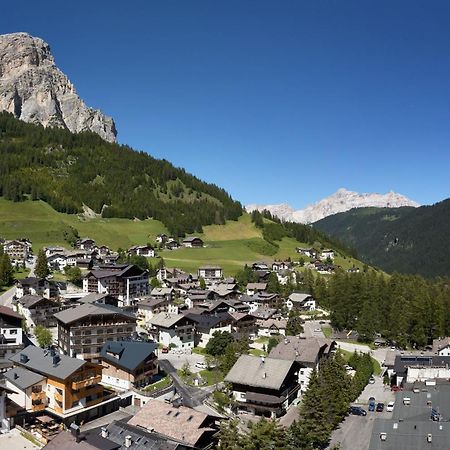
116 382
426 373
444 352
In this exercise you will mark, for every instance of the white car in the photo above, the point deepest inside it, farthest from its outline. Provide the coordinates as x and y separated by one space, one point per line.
371 380
201 365
390 407
317 330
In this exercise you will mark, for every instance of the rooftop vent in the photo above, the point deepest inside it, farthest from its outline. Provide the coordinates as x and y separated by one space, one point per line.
264 375
383 436
56 360
105 432
16 375
24 358
128 441
263 360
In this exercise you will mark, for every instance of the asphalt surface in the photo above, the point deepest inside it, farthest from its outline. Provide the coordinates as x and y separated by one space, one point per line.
192 396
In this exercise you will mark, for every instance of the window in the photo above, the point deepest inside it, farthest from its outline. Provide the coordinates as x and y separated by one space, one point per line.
13 331
109 330
100 331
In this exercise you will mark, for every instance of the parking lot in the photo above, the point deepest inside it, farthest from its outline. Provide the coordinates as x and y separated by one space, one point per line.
355 431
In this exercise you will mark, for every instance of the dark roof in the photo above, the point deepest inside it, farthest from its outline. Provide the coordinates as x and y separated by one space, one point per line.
192 238
404 361
303 350
410 425
23 378
5 311
90 309
41 360
130 354
89 441
121 270
141 439
208 321
29 301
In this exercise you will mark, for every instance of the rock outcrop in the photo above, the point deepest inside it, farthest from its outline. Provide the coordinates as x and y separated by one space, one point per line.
35 90
341 201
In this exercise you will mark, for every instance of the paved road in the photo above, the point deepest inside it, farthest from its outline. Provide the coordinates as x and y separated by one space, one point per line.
192 396
178 360
310 327
6 297
379 354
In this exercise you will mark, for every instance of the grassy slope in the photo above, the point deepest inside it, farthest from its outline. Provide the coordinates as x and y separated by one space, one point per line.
44 226
230 246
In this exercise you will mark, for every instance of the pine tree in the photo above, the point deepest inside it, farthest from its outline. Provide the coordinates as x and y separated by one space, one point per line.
6 270
41 269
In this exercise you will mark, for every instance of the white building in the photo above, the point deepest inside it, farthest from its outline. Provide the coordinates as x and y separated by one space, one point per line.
173 330
300 301
210 273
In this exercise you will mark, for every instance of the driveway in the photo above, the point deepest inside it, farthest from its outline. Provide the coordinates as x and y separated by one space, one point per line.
192 396
178 360
6 297
310 327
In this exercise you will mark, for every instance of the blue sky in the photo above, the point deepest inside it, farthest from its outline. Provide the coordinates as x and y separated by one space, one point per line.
281 101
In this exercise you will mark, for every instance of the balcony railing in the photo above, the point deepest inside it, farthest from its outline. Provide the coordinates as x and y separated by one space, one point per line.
59 397
87 382
38 396
39 407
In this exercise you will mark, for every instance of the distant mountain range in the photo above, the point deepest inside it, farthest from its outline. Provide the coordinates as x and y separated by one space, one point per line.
405 240
36 91
341 201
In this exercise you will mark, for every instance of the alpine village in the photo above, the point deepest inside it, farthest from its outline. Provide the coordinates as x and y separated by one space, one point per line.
142 308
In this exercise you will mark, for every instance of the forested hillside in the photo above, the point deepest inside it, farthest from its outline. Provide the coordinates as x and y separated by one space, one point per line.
406 240
71 170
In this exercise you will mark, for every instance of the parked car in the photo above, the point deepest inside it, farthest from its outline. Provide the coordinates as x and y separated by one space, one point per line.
372 404
371 380
317 330
358 411
201 365
396 388
380 407
165 350
390 407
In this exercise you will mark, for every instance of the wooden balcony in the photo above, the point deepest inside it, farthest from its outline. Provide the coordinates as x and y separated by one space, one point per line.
38 396
76 385
39 407
59 397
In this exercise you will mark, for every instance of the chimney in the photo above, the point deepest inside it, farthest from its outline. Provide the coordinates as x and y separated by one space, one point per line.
56 359
383 436
24 358
264 375
16 375
105 432
127 441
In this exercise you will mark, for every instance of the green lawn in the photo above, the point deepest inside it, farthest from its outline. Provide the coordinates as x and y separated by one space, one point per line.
44 226
161 384
199 350
230 246
347 355
327 331
18 275
257 352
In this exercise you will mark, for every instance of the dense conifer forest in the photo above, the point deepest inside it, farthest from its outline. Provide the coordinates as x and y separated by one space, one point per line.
406 240
71 170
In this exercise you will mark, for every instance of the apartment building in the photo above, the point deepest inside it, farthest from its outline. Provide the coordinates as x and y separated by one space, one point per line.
83 330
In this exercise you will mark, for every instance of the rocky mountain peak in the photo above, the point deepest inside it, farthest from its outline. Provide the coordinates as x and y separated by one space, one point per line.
342 200
35 90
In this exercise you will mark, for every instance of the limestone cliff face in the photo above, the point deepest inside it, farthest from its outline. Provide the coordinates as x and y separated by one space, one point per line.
35 90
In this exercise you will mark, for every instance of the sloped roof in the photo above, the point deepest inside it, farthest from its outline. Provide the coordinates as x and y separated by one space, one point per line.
130 354
4 310
252 371
181 423
294 348
299 297
166 320
90 309
23 378
41 361
29 301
